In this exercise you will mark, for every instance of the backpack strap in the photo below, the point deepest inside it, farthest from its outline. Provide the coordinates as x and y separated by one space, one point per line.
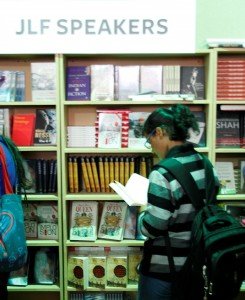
8 189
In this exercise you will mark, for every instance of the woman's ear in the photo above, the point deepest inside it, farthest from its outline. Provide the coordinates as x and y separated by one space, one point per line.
160 131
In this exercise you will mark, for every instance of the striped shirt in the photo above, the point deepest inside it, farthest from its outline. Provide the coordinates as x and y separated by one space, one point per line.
170 209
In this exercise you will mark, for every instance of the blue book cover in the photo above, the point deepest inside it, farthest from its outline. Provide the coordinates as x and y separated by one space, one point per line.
78 83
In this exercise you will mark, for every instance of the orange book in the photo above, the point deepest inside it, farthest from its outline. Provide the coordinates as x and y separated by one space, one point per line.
95 175
121 170
85 175
131 166
23 129
143 167
116 169
111 170
107 175
75 175
102 174
70 175
90 175
126 170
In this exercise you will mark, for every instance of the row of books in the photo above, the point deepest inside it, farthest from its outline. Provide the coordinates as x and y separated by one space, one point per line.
230 78
43 83
41 220
38 128
111 220
121 82
100 269
94 173
230 129
41 268
98 296
43 175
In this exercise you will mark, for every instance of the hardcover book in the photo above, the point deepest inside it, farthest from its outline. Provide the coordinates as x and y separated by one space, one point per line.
78 83
112 222
43 79
225 172
192 81
45 127
97 271
23 129
117 270
77 271
83 220
47 221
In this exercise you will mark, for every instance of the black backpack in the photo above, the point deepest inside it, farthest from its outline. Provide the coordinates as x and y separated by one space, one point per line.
215 267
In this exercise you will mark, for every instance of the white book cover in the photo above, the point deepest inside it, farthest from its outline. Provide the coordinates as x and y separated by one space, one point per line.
47 221
134 193
7 86
242 166
136 139
225 172
151 79
83 220
110 128
43 79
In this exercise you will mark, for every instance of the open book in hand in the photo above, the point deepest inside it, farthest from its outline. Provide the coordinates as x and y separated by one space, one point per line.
134 193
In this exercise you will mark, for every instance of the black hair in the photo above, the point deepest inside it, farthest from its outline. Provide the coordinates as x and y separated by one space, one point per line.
23 181
176 120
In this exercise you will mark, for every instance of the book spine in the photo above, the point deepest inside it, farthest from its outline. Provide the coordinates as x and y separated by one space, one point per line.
121 170
102 175
95 175
126 169
111 170
131 166
70 175
85 175
116 168
39 176
90 175
75 175
107 175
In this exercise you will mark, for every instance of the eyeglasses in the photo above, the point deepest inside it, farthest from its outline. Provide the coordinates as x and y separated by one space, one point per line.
147 142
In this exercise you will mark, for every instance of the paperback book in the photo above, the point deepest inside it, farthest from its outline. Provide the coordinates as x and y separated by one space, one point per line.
225 172
23 126
47 221
77 271
136 139
134 193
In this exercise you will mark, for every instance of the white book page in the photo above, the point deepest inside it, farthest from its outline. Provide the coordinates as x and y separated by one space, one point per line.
134 193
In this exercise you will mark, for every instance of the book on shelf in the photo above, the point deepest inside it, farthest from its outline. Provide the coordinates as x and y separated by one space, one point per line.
77 271
20 86
242 176
97 270
45 266
112 222
7 86
151 79
171 82
43 81
130 223
47 215
20 276
23 126
134 193
81 136
226 176
83 220
5 122
109 130
136 139
45 127
134 259
199 138
228 129
102 82
30 219
78 83
117 270
126 81
192 81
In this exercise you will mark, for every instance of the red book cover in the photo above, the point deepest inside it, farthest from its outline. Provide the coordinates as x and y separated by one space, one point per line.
23 129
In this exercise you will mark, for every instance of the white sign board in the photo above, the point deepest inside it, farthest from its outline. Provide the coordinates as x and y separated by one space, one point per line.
97 26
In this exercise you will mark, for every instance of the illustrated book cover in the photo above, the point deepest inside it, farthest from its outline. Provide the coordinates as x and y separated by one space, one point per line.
225 172
77 271
134 193
47 221
45 127
83 220
112 222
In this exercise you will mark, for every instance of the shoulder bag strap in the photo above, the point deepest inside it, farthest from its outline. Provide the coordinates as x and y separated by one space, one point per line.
8 189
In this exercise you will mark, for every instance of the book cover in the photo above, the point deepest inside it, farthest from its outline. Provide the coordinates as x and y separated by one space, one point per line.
19 277
110 127
228 129
117 270
43 80
30 219
112 222
77 271
242 176
126 82
136 139
151 79
30 171
199 138
102 82
130 223
134 193
192 81
45 127
78 83
45 266
47 215
134 259
23 126
7 86
97 271
20 86
225 172
83 220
